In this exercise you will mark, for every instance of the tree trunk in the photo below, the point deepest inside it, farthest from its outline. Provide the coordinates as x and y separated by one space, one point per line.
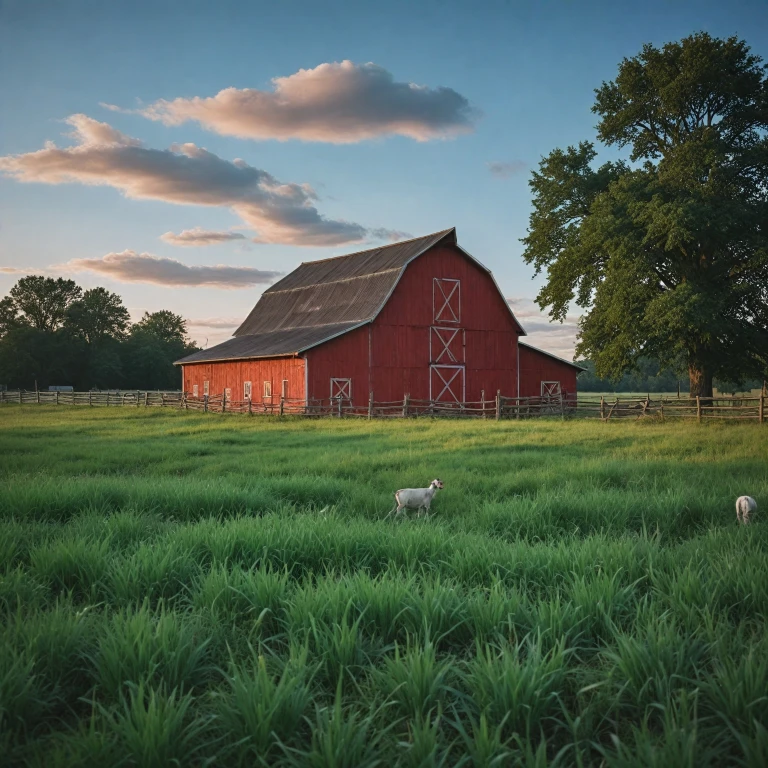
701 380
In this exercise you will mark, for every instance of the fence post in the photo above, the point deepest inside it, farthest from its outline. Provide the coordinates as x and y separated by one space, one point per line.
562 407
698 408
57 397
482 398
498 404
602 408
282 405
406 404
370 405
37 392
662 409
224 401
146 399
761 409
205 403
90 398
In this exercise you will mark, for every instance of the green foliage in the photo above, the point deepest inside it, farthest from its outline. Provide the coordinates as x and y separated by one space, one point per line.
667 251
645 375
51 333
181 587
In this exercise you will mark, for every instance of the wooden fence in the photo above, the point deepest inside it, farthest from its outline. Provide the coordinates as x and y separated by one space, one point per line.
498 407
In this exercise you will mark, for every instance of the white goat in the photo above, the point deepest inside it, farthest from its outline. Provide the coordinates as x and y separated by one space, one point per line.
745 506
416 498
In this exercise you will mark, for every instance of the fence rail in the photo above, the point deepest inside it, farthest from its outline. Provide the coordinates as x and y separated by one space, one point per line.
499 407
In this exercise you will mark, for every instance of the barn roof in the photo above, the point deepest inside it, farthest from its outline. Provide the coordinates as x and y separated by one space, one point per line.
322 299
554 357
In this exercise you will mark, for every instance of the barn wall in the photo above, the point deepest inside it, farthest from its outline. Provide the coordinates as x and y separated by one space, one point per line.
401 332
345 357
536 367
234 373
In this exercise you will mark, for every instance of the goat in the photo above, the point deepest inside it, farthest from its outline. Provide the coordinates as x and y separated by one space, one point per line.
416 498
745 506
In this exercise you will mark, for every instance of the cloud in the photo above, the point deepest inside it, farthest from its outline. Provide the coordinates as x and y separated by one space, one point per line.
392 235
505 170
185 174
338 102
132 267
15 271
557 338
199 237
215 322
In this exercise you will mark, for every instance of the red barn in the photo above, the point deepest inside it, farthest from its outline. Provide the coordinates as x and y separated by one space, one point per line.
421 317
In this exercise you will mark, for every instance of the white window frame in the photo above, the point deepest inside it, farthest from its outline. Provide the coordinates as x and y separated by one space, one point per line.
206 387
228 393
247 389
341 388
446 382
195 390
548 391
443 347
267 390
439 296
284 389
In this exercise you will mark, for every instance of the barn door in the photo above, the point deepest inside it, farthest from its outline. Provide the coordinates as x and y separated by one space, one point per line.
550 396
341 389
446 384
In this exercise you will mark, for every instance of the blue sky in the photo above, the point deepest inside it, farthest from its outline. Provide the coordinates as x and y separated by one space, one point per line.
521 77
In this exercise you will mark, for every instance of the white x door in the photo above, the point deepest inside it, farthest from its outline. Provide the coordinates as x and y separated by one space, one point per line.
446 383
446 300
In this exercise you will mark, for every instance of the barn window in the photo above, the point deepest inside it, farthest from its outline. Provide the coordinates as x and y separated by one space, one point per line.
550 389
246 390
195 390
284 390
267 389
446 300
205 388
228 393
341 389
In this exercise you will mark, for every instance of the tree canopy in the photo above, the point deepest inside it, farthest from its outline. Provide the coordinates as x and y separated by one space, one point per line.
53 332
667 249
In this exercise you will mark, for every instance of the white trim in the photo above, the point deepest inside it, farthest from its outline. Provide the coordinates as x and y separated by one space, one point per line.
547 391
343 388
195 390
446 345
459 369
446 298
267 386
284 389
206 387
247 390
517 351
306 382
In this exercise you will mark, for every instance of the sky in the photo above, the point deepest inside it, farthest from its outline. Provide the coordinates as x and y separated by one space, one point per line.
185 154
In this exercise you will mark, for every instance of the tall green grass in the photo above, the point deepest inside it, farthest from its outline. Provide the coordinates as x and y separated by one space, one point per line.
191 588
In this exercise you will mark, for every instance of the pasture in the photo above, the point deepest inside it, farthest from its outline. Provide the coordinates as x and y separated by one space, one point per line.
224 590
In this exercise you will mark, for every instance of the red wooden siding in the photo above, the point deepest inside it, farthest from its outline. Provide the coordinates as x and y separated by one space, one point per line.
345 357
233 373
401 332
536 366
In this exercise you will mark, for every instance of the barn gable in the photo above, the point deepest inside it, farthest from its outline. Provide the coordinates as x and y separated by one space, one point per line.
321 300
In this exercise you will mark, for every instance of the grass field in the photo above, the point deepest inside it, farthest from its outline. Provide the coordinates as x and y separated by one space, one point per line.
222 590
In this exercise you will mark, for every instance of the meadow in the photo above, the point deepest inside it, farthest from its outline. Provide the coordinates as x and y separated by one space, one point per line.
199 589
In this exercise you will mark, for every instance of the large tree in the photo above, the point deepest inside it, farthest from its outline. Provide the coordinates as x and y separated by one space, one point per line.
98 315
43 301
667 250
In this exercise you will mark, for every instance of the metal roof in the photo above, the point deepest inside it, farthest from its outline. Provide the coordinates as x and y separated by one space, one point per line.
549 354
322 299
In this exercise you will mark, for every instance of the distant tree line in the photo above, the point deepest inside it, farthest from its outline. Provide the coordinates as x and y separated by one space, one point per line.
649 376
52 332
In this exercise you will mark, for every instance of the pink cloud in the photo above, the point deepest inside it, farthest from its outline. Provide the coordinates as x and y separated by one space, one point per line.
338 102
199 237
185 174
132 267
